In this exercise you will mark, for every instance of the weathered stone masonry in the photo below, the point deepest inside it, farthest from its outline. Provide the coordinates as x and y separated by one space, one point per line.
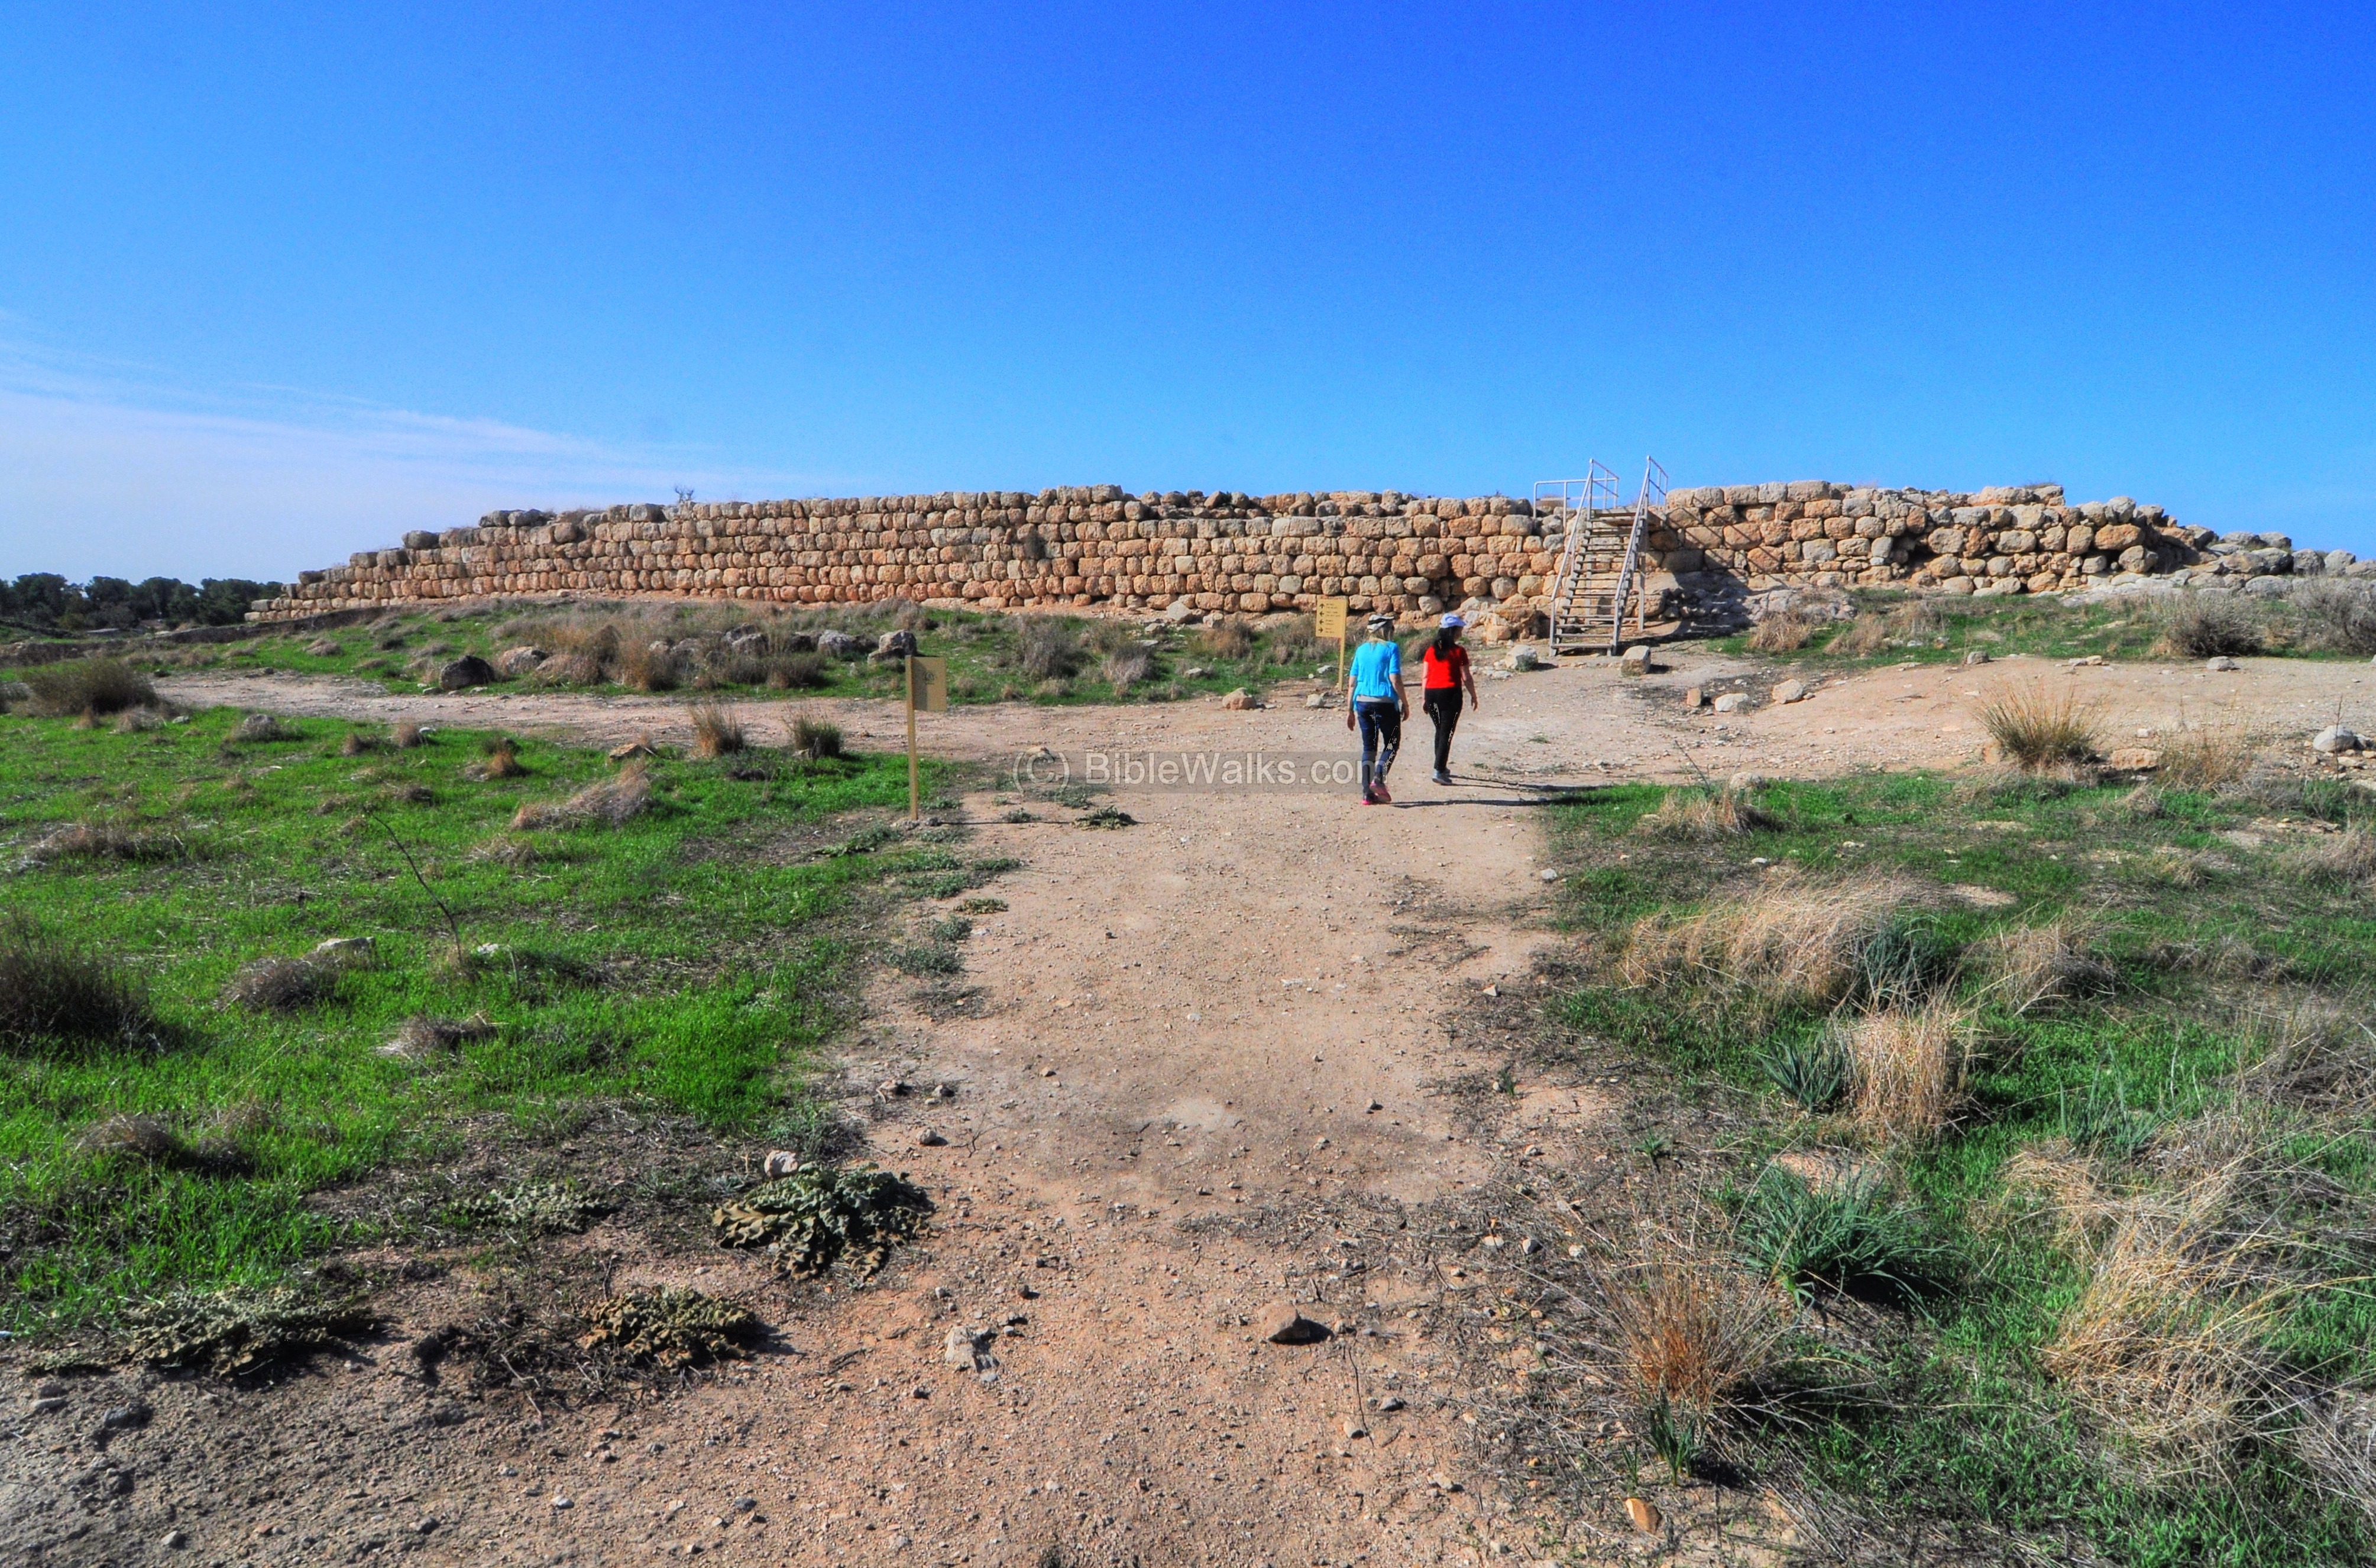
1094 545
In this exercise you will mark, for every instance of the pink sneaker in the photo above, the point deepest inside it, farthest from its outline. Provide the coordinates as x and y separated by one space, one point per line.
1378 795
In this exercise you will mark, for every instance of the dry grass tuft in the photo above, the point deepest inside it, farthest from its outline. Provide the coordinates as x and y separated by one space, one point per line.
2319 1054
2038 727
1693 1335
613 800
103 841
424 1035
1697 816
797 671
1046 649
2035 966
647 667
2336 1439
135 1137
360 743
86 687
137 720
1790 941
1909 1068
281 985
815 738
2168 1347
2208 757
408 735
1127 668
1229 638
2346 857
1785 631
2203 625
53 990
717 730
503 760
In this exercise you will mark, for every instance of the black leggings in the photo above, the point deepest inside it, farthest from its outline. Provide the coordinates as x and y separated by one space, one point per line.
1382 737
1444 706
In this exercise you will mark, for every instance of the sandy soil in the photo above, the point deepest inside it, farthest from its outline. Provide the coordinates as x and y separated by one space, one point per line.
1213 1062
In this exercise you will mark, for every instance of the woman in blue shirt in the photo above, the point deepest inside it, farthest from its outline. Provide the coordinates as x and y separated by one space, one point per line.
1378 708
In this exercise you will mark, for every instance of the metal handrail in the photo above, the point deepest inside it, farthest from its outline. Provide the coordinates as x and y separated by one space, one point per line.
1600 484
1654 481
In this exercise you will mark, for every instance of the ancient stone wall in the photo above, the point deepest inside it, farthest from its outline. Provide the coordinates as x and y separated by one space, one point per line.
1094 545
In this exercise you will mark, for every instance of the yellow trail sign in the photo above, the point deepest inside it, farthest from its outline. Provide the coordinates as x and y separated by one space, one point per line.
1328 620
928 688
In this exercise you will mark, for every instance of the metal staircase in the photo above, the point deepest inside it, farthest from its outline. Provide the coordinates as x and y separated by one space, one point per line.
1600 575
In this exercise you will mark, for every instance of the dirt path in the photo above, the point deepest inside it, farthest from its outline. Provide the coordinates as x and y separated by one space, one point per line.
1213 1062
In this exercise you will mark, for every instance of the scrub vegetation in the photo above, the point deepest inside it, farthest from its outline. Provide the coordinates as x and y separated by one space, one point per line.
2039 1201
253 973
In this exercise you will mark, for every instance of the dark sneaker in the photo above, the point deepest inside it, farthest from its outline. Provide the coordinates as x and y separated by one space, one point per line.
1378 796
1441 777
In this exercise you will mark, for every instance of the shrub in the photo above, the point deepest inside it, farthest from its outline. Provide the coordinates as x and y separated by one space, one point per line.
931 958
1229 638
717 732
502 759
2337 617
797 671
574 667
135 1137
239 1330
1847 1235
1812 1071
815 738
54 993
2320 1054
87 686
1046 649
2205 626
2040 729
1785 631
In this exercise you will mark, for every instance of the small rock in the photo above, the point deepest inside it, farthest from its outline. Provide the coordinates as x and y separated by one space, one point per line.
930 1139
1444 1483
1317 699
426 1526
962 1347
468 670
744 1505
2134 759
322 648
1789 691
559 1502
780 1162
945 1091
839 645
1522 658
173 1540
1744 782
1732 702
631 749
1390 1403
2221 665
516 661
2335 738
894 645
1375 1105
125 1418
1194 672
1282 1322
1355 1428
1549 874
1978 655
1695 697
346 950
1637 660
1644 1515
1240 700
47 1403
894 1086
2092 661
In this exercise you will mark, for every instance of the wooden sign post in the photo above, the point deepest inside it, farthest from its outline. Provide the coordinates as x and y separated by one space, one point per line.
1328 620
928 688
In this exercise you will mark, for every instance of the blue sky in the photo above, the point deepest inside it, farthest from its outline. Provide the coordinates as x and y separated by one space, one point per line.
275 285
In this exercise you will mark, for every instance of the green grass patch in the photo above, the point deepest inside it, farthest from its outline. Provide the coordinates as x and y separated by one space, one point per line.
690 959
1947 1413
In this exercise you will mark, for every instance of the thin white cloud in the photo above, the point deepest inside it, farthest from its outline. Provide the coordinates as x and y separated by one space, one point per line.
103 470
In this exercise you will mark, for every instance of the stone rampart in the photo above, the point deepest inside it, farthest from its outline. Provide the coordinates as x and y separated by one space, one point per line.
1090 545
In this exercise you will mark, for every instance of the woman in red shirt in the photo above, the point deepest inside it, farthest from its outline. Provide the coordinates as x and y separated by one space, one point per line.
1446 664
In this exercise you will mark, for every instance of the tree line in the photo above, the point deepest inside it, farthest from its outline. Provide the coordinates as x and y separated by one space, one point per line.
44 601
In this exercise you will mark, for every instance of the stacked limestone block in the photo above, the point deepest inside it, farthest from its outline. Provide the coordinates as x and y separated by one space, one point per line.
1812 533
1073 546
